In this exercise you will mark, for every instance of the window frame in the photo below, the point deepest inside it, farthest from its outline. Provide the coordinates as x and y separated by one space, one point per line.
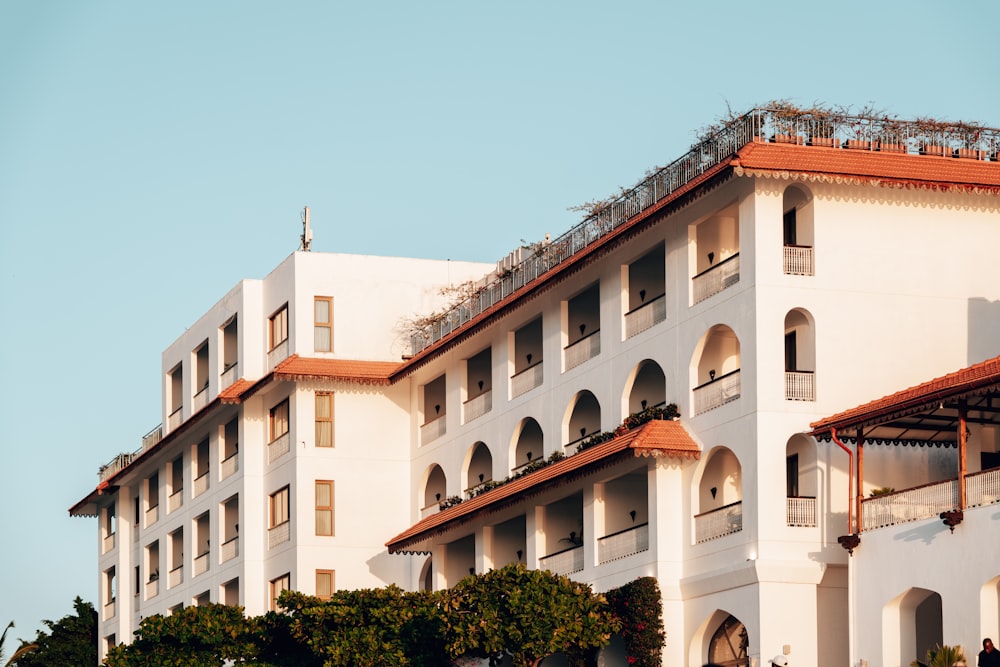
319 441
279 318
277 504
319 325
285 583
333 583
324 508
271 420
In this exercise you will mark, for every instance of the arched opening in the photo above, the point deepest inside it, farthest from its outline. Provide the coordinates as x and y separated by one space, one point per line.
911 625
716 369
730 644
801 481
435 488
528 444
797 231
989 608
648 388
715 253
584 418
720 496
426 582
800 356
480 468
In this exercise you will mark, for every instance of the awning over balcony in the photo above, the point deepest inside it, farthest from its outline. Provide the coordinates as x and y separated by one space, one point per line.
655 438
927 414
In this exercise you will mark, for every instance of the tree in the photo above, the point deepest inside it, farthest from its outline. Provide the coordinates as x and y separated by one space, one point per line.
638 606
72 640
527 614
24 649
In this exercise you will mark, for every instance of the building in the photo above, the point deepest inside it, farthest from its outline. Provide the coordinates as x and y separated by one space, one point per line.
778 273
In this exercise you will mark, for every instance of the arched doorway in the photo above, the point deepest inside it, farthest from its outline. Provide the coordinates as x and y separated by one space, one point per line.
730 645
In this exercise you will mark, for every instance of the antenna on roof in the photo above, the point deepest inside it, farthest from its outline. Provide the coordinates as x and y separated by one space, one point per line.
307 234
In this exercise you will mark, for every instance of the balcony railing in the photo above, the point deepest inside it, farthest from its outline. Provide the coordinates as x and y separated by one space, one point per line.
175 576
716 278
583 350
278 534
152 437
719 522
174 500
922 502
229 375
152 588
108 543
230 549
200 563
277 354
174 420
623 543
982 488
800 511
200 484
800 386
474 408
567 561
109 609
114 466
717 392
876 133
526 380
229 465
277 448
200 399
798 260
646 316
433 430
152 515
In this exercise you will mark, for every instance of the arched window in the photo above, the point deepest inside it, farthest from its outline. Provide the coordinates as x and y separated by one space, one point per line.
716 369
800 356
584 418
730 645
720 496
529 444
797 231
436 487
648 388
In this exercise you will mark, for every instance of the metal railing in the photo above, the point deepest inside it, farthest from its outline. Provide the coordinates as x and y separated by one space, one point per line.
832 129
982 488
922 502
717 392
797 260
623 543
717 278
474 408
646 316
432 430
567 561
583 350
719 522
800 386
526 380
800 511
277 448
153 437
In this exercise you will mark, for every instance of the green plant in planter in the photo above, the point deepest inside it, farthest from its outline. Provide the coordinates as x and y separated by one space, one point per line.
881 491
942 656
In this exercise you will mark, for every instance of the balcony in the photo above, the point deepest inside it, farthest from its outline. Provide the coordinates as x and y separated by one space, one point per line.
277 354
717 392
277 448
623 543
229 466
175 576
152 437
567 561
230 550
646 316
152 588
109 609
200 563
716 278
278 534
200 399
474 408
174 420
152 515
108 543
719 522
433 429
922 502
800 511
800 386
175 500
583 350
798 260
982 488
526 380
200 484
229 375
114 466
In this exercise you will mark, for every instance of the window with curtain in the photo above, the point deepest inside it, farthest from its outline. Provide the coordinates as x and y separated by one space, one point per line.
279 507
278 327
278 420
324 584
282 583
323 323
324 419
324 507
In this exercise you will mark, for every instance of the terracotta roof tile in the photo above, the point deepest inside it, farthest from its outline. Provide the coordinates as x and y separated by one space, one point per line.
978 377
232 393
654 438
349 370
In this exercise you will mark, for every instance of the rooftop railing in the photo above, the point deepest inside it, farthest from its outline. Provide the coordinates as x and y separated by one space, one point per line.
123 460
814 127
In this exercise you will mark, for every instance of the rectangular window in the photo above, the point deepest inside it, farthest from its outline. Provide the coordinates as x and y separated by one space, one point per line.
278 420
323 323
282 583
278 327
278 507
324 507
324 584
324 420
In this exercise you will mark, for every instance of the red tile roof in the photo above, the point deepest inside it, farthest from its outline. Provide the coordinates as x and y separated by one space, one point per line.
974 379
654 438
348 370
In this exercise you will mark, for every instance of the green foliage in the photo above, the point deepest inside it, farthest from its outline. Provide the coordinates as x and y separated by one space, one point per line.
942 656
527 614
72 640
21 651
638 606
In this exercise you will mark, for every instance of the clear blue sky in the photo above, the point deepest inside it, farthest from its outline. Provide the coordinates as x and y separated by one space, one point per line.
153 154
